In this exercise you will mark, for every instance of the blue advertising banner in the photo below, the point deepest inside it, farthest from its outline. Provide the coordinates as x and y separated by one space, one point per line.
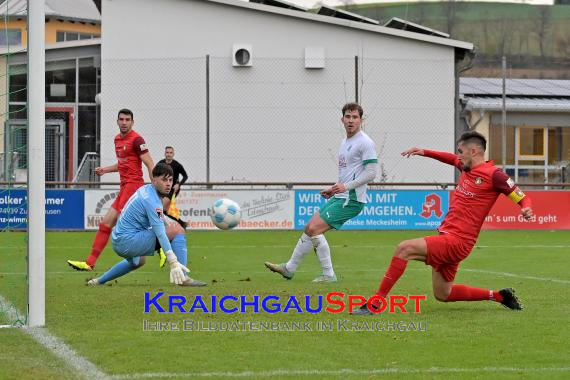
385 210
64 209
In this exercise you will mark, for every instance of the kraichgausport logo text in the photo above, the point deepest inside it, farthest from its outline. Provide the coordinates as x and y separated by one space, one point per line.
334 302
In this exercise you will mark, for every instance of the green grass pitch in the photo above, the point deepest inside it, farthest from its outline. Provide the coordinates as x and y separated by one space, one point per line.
462 340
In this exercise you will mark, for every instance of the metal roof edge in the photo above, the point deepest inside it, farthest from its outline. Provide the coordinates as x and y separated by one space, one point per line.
346 23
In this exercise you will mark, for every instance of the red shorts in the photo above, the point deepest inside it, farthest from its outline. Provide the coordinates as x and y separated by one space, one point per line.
126 191
445 252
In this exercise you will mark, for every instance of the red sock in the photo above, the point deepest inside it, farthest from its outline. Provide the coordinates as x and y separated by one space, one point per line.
393 273
497 297
469 293
99 244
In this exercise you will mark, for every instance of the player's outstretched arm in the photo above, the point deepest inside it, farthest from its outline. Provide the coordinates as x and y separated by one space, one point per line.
445 157
106 169
413 152
177 270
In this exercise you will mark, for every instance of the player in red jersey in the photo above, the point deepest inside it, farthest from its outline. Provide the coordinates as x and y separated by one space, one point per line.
479 186
131 152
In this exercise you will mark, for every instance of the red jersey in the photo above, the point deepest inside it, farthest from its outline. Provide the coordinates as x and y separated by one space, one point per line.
129 150
476 192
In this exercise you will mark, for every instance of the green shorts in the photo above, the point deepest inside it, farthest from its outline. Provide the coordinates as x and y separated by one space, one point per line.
335 213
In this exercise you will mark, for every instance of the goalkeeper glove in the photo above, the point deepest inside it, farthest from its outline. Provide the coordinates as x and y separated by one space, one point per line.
177 270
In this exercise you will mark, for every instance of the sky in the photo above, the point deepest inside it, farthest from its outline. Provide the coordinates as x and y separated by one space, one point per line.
334 3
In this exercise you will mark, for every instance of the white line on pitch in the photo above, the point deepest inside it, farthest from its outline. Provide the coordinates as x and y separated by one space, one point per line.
505 274
340 372
41 335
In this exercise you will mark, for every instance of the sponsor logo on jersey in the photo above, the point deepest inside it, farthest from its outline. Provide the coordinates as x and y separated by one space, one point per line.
342 161
511 183
478 180
463 190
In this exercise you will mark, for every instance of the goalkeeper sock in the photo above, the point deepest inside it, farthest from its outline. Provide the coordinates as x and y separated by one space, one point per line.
117 270
180 249
323 250
303 247
99 244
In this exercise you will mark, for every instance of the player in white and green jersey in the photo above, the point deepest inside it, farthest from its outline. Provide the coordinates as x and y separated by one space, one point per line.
357 166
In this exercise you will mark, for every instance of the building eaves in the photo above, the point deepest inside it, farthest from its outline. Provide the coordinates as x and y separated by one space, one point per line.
13 50
481 103
514 87
76 10
346 23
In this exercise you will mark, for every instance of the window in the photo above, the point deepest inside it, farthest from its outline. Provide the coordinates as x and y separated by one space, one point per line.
18 82
88 131
10 37
535 154
88 75
69 36
496 146
61 36
60 81
532 143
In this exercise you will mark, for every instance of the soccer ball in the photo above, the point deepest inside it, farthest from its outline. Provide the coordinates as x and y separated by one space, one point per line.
226 214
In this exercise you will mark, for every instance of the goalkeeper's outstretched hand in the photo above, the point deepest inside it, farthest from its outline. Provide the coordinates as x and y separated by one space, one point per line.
178 273
177 270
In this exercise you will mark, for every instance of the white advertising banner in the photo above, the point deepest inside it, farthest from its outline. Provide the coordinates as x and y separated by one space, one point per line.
97 203
260 209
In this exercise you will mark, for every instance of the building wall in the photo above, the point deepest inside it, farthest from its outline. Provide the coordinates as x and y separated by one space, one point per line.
52 27
275 120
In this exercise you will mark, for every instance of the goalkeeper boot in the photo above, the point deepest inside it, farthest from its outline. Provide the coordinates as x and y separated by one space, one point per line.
80 265
510 300
93 282
191 282
280 268
323 279
161 258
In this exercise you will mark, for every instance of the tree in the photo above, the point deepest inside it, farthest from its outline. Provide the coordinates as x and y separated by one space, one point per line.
543 24
505 36
421 15
450 9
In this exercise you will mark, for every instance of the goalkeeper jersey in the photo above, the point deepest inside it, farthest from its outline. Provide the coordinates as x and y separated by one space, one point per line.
143 211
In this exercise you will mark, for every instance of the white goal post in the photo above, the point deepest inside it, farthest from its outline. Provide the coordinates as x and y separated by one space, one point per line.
36 162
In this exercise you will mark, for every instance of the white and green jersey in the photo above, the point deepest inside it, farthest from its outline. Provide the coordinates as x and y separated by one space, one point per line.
353 155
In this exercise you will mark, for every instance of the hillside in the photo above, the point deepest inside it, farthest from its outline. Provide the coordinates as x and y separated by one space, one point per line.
535 39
